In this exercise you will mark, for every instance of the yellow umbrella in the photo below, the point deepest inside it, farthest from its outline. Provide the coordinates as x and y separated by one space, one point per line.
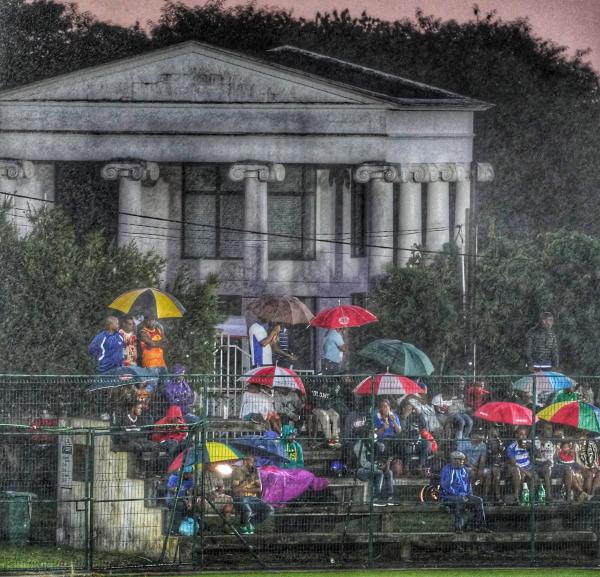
142 301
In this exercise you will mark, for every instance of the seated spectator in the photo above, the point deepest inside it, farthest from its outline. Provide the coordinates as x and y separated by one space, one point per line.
131 436
475 451
107 347
183 501
288 405
376 469
428 416
586 456
215 496
544 452
564 395
476 396
496 460
415 448
323 396
293 449
130 341
170 431
247 489
519 463
178 392
566 457
452 414
152 343
585 392
387 426
257 406
456 491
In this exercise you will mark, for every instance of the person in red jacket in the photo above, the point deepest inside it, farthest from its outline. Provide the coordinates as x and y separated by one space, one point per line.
170 431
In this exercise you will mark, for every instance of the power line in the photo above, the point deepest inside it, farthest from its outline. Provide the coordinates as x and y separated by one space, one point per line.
259 233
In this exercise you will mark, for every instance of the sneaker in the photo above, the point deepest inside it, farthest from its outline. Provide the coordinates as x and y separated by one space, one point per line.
333 444
251 529
390 501
379 503
105 417
245 529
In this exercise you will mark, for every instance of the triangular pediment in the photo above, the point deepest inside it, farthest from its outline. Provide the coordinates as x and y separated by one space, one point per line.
189 72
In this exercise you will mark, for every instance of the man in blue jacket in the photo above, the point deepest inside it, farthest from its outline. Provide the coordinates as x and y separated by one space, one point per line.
456 490
108 347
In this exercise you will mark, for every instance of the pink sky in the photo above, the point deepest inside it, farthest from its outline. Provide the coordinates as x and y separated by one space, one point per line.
573 23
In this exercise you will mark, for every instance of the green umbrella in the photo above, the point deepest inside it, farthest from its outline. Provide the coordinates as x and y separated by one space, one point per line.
400 357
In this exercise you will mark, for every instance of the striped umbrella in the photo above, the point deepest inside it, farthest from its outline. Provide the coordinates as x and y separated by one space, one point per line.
387 384
547 382
575 414
274 376
145 300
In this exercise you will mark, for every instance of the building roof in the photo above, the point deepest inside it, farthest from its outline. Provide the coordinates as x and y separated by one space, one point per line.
374 81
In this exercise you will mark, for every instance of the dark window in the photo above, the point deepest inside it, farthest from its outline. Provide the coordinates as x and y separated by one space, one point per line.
358 216
291 207
79 458
213 213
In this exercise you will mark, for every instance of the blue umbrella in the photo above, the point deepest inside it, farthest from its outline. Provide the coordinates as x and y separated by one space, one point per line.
547 382
268 449
123 376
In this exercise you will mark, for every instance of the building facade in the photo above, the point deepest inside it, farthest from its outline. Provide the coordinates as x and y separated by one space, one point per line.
272 173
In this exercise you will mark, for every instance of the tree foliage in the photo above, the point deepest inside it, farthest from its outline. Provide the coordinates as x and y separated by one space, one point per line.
515 280
54 293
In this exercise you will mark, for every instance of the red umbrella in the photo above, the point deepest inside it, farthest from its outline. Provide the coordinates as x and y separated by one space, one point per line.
388 384
274 376
343 316
510 413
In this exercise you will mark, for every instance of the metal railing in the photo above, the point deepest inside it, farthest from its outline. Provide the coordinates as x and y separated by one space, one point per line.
80 492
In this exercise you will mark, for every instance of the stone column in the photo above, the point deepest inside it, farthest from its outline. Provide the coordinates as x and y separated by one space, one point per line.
130 175
13 174
256 246
462 203
380 238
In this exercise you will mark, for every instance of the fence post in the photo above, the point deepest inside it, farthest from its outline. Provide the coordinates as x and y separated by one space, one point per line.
372 474
89 496
533 491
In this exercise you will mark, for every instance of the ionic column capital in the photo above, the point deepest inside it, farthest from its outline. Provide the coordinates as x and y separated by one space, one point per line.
270 172
367 172
134 170
13 169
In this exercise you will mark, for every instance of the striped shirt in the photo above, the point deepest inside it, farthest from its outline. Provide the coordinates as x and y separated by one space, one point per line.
519 454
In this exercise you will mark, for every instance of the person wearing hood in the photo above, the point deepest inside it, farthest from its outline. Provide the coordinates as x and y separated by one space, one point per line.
293 449
456 491
170 431
178 392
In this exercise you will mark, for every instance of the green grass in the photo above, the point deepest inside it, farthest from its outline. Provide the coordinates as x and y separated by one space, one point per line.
418 573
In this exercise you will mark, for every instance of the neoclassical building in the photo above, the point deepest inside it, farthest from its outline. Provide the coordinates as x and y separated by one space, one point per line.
296 173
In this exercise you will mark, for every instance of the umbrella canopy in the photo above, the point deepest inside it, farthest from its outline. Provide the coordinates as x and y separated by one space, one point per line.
142 301
281 309
274 376
259 446
388 384
510 413
573 414
343 316
400 357
546 383
123 376
212 452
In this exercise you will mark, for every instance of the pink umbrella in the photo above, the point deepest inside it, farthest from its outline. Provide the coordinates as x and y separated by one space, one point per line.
388 384
274 376
343 316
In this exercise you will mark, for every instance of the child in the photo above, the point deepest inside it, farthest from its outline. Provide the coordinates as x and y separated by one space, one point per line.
292 448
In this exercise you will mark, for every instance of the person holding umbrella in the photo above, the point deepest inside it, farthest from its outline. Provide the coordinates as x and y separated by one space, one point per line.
153 343
334 348
247 489
261 342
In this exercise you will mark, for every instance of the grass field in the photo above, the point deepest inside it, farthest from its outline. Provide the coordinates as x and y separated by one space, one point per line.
484 572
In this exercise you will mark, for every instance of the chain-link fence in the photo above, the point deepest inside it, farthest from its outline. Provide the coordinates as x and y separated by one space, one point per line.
342 471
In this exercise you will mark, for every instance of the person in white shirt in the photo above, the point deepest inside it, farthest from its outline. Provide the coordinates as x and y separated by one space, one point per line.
452 414
261 341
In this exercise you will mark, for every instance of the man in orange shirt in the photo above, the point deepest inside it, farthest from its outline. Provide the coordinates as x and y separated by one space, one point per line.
153 343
